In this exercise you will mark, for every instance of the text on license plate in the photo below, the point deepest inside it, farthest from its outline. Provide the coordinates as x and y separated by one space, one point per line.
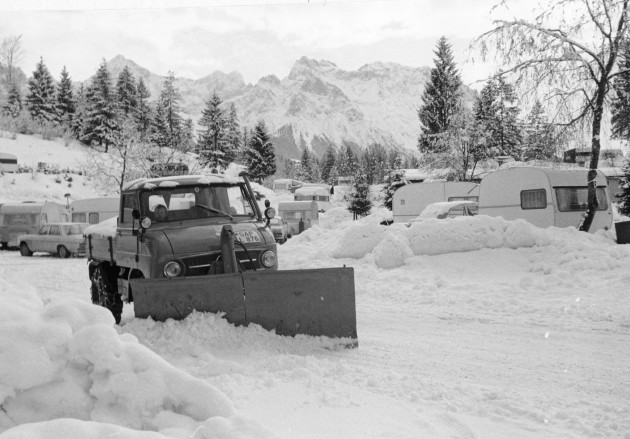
246 237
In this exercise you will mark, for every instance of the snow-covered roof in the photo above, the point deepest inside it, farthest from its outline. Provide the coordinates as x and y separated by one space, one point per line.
175 180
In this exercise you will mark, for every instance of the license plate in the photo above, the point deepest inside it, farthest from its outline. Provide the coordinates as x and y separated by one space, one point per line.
247 237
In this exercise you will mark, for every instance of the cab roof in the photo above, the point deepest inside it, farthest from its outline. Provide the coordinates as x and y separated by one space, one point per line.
176 180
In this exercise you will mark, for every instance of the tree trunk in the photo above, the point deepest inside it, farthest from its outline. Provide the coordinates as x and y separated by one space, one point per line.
598 112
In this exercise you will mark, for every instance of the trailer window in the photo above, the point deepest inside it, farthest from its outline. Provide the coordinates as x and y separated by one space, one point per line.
94 218
575 199
78 217
534 199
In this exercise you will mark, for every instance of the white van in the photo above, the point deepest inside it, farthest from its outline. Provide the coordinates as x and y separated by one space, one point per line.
411 199
27 218
94 210
314 193
544 196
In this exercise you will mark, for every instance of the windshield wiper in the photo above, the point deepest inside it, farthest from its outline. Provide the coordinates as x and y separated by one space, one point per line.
217 211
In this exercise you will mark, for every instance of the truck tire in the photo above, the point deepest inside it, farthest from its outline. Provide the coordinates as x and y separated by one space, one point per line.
24 250
104 292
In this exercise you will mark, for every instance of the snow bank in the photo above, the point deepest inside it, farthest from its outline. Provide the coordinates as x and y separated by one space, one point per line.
390 246
65 359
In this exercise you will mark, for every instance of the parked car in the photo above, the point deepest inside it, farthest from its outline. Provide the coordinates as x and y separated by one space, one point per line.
280 229
64 239
448 209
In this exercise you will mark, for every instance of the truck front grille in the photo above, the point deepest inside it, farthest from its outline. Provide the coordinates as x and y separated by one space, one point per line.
212 263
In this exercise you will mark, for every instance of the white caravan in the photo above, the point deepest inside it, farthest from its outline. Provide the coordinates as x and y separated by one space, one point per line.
94 210
543 196
26 218
411 199
314 193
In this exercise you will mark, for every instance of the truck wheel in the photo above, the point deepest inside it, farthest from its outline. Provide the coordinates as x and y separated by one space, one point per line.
63 252
104 293
24 250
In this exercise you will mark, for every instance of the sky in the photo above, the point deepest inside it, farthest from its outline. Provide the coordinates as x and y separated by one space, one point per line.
193 38
473 327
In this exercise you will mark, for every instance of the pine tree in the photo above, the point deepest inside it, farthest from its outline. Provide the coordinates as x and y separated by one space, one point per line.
328 163
126 92
347 162
143 114
214 150
78 119
359 197
621 103
40 100
100 125
260 155
233 134
440 99
65 97
13 105
497 111
538 142
305 172
394 180
168 121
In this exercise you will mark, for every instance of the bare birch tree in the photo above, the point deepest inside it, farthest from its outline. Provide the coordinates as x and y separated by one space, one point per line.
11 54
565 56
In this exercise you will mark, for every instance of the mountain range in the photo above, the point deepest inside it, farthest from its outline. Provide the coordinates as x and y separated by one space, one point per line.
316 106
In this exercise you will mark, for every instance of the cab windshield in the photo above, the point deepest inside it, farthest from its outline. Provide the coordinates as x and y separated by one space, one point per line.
181 203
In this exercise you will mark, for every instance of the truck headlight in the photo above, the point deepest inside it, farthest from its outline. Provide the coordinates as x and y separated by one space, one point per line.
268 259
173 269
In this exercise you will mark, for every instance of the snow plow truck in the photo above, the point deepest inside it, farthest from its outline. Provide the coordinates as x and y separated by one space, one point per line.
200 242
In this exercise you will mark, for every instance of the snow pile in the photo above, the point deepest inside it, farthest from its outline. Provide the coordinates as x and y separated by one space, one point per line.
65 359
390 246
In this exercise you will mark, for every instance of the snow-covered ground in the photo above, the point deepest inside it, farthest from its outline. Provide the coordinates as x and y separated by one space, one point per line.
468 328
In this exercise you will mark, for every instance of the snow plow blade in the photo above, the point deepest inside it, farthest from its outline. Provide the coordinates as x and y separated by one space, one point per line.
318 302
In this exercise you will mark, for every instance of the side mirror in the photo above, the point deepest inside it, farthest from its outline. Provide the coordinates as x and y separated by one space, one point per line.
135 214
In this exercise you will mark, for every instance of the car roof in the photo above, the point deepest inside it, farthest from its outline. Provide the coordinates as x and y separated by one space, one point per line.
442 207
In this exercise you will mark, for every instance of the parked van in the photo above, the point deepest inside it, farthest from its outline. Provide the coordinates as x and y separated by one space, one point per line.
544 196
94 210
299 215
8 162
286 185
25 218
314 193
411 199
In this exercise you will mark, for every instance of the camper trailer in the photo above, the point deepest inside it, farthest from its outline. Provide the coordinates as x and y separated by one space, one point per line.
314 193
8 162
299 215
94 210
411 199
26 218
286 185
543 196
